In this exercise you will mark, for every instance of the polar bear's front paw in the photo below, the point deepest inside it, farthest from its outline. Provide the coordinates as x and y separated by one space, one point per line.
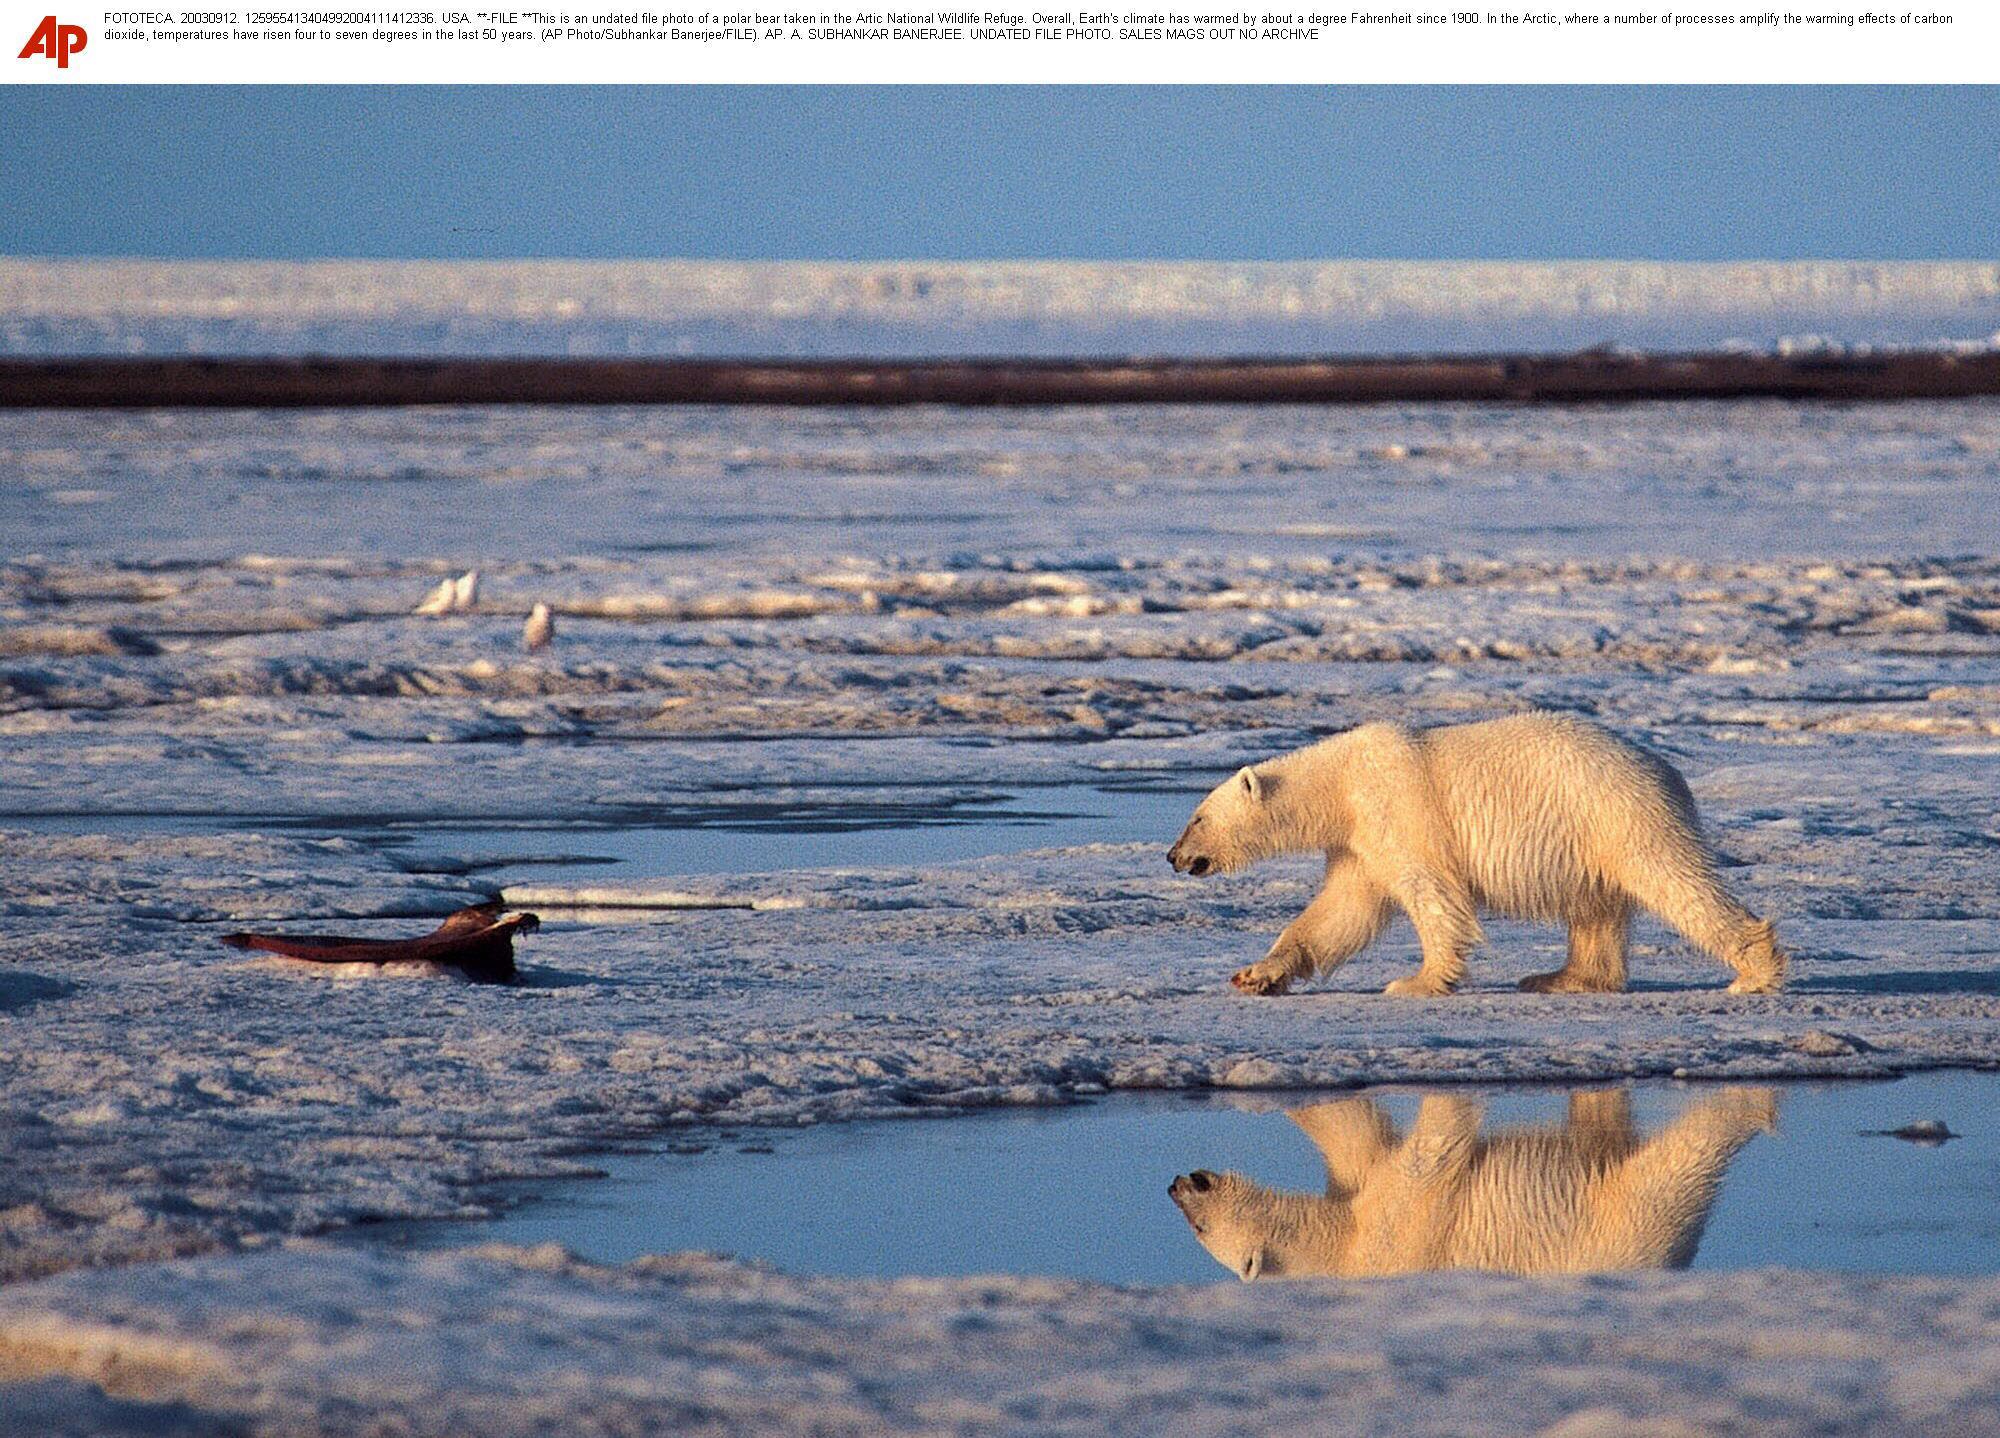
1418 986
1262 978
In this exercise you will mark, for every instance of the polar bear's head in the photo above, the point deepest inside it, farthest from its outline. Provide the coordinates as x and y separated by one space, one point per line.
1258 1232
1228 827
1215 1206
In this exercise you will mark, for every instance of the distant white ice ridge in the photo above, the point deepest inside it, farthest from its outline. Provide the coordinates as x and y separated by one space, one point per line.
913 308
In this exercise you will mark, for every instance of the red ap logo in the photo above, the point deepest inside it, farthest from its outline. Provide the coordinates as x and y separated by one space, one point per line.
56 42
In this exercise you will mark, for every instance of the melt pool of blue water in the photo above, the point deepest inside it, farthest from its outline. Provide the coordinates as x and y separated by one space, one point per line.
1081 1191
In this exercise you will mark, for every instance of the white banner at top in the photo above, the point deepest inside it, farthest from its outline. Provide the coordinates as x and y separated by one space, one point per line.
862 41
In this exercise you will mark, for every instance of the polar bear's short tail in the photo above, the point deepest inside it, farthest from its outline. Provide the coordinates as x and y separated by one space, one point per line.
1759 962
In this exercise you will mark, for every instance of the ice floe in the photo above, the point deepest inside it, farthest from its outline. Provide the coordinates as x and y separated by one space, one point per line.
216 712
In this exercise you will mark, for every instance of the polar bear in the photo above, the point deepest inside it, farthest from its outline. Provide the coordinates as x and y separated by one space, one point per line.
1536 816
1586 1196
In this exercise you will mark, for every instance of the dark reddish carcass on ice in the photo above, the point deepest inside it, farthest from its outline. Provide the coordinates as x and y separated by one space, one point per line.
478 941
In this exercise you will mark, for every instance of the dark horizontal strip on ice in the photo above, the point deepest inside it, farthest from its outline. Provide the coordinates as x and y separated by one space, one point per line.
1588 376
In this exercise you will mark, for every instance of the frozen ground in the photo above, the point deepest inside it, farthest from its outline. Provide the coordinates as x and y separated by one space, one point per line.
215 708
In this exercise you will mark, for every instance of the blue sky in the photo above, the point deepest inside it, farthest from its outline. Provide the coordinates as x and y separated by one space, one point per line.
938 172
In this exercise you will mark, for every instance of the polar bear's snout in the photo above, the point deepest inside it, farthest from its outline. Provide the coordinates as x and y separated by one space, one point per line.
1200 1181
1225 1210
1185 857
1189 1192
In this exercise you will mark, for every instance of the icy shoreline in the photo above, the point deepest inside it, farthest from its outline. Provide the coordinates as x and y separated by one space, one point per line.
163 1068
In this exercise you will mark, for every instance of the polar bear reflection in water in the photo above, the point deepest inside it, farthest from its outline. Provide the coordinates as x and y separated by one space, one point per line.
1580 1196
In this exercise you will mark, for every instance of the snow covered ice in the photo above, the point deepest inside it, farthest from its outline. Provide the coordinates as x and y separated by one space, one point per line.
217 710
510 1340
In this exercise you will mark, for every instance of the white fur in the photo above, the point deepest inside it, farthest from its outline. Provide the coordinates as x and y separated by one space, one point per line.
1537 816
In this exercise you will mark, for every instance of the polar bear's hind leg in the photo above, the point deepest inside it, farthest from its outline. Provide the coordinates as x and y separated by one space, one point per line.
1679 885
1758 961
1596 955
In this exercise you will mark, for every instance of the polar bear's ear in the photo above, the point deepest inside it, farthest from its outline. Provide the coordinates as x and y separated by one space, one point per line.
1253 1265
1253 787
